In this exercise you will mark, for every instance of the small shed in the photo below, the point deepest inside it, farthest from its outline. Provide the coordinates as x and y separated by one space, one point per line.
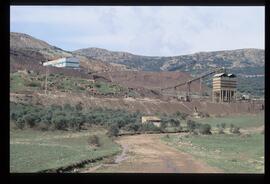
151 119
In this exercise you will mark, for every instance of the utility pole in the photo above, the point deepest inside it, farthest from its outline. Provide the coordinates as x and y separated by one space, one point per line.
200 86
46 81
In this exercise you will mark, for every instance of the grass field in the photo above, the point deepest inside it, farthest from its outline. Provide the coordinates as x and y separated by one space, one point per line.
243 121
33 151
229 152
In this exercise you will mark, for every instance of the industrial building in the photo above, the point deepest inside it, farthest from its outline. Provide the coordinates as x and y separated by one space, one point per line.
67 62
151 119
224 88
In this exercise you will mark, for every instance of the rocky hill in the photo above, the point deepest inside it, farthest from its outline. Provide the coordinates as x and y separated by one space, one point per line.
27 52
246 63
230 59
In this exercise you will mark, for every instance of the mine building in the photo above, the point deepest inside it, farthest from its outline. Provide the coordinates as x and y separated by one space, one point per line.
224 88
66 62
151 119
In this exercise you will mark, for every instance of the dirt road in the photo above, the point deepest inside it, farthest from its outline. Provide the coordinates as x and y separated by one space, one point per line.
148 154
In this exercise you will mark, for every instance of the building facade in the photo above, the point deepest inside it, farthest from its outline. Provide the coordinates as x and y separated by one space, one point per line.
224 88
67 62
151 119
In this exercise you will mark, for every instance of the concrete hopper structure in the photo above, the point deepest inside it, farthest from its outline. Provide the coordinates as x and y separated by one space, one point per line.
224 88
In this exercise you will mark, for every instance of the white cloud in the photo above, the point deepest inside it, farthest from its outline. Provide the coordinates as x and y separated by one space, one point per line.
144 30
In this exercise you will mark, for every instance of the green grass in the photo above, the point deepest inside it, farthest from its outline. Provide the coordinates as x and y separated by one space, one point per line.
243 121
231 153
106 88
20 82
33 151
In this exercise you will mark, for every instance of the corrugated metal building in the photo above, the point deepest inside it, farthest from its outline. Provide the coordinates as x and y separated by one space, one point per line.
224 87
67 62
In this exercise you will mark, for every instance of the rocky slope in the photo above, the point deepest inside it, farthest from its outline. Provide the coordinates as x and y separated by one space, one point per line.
27 52
246 63
230 59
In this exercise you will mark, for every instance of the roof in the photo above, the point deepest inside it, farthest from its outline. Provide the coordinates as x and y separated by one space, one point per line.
231 75
225 75
151 118
220 75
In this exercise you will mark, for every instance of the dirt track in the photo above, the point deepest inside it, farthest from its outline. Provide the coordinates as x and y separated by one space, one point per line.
148 154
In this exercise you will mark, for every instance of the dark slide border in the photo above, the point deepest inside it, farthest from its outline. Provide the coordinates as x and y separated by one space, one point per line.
110 178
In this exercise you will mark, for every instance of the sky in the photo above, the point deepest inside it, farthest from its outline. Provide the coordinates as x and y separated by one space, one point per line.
143 30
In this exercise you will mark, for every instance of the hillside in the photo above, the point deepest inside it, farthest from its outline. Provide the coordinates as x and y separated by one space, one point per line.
240 58
26 52
243 62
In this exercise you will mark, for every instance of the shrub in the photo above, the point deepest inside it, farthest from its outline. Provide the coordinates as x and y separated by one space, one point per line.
205 129
68 107
43 126
31 119
97 85
132 127
223 125
59 122
113 131
33 84
93 140
79 106
20 123
236 130
149 127
191 125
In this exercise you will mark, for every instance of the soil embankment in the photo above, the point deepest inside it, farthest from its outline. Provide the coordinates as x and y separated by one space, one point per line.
147 105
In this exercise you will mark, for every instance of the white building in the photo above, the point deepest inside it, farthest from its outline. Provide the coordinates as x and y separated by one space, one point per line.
67 62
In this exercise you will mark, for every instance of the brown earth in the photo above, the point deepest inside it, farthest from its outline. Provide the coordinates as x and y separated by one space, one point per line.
153 80
148 154
146 105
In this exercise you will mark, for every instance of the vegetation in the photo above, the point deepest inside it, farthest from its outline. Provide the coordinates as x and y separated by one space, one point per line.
247 155
234 129
237 120
33 151
113 131
69 117
205 129
94 140
21 82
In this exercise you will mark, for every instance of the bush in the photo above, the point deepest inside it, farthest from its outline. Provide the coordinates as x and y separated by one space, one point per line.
191 125
234 129
43 126
132 127
33 84
93 140
31 119
149 127
205 129
59 122
223 125
20 123
113 131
